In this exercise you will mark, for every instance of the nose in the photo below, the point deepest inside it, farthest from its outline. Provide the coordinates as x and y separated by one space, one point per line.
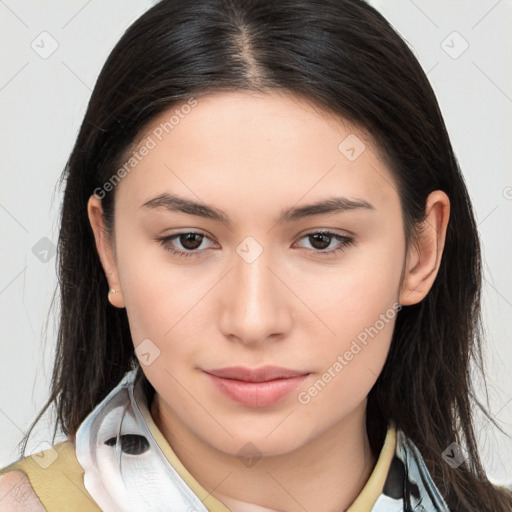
255 301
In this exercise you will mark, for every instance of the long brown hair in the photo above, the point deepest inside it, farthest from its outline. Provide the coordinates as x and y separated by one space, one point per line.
344 56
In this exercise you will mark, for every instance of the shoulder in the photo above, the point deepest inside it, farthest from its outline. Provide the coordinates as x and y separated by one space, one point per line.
17 495
52 479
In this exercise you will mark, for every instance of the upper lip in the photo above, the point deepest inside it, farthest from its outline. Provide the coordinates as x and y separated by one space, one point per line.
263 374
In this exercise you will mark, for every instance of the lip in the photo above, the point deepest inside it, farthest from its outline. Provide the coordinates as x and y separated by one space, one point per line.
259 387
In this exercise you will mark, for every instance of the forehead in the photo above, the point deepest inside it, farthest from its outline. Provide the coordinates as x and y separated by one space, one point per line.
248 148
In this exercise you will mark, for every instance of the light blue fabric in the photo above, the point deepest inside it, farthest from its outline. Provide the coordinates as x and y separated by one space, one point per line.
420 493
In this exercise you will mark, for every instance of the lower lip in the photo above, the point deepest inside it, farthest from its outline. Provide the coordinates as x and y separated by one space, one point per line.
257 394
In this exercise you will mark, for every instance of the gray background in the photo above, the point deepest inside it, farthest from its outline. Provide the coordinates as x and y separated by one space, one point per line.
52 53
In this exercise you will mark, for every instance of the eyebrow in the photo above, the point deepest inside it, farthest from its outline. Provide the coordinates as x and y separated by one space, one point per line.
175 203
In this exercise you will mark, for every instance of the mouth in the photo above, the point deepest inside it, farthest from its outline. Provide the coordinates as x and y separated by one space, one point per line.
260 387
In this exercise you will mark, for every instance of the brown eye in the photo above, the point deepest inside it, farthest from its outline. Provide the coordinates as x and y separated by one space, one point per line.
190 241
321 240
187 243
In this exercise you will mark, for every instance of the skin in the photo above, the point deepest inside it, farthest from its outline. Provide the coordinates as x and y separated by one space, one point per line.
253 155
16 494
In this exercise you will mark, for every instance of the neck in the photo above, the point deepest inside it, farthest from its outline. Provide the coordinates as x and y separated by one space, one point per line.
325 475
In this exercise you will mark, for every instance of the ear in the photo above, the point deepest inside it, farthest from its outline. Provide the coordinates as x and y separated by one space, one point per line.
424 255
105 251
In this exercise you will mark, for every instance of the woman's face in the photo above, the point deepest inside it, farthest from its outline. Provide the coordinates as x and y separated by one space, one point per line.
258 285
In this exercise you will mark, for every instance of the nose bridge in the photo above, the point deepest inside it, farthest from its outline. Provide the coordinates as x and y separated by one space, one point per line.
253 309
252 275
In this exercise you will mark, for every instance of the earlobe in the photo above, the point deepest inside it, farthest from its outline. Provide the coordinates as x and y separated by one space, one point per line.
115 297
105 252
424 255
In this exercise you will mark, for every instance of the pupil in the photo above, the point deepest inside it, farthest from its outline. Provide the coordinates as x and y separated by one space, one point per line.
190 238
318 236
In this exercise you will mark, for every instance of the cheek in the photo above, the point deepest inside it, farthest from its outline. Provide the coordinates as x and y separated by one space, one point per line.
349 362
353 295
160 300
360 310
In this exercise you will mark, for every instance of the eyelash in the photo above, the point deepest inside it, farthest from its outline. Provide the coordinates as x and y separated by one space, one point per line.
345 242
